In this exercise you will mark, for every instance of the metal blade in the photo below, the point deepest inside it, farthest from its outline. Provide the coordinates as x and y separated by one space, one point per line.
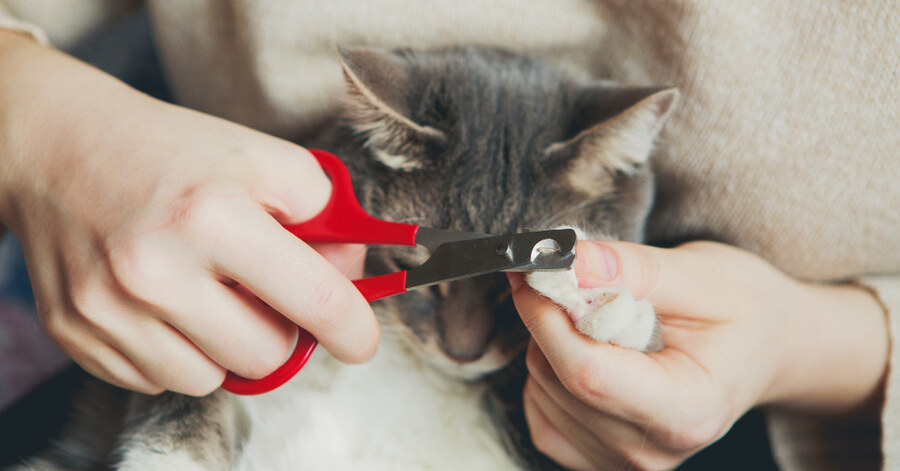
524 251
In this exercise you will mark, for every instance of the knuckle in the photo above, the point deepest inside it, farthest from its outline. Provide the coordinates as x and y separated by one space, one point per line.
585 383
687 438
699 245
89 301
542 438
203 211
150 390
535 362
542 435
263 364
137 268
330 303
53 321
648 273
640 458
202 384
57 325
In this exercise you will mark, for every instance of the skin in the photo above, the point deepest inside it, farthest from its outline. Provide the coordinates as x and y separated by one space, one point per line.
153 234
738 334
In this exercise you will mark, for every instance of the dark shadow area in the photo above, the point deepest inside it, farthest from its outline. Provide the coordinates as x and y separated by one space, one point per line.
28 425
744 447
126 50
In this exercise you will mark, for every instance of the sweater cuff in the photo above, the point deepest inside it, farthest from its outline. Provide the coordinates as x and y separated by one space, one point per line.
886 289
23 27
867 441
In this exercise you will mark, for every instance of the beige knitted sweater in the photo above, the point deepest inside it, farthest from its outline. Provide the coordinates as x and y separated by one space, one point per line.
786 142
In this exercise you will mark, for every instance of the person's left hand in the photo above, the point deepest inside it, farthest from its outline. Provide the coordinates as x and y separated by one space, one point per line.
737 332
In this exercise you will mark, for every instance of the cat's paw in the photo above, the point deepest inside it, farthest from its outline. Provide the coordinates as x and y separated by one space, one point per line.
604 314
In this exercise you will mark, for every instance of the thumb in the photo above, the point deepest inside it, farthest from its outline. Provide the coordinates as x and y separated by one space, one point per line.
661 276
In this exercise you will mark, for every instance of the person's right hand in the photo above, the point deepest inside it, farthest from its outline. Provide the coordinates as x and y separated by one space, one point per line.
150 230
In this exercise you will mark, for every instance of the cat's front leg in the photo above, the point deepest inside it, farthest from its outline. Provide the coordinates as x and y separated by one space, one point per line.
176 432
606 314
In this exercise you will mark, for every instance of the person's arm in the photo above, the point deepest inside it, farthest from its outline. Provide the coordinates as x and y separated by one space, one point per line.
150 230
738 334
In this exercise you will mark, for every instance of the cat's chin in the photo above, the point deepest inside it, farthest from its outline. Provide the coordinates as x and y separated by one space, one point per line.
432 355
491 362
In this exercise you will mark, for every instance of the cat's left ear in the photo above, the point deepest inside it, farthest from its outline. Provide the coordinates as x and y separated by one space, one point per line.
614 130
378 86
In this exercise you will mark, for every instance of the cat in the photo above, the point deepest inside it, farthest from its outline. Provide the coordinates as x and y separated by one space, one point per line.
468 139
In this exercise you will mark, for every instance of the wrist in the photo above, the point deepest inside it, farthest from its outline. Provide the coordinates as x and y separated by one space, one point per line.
47 99
836 350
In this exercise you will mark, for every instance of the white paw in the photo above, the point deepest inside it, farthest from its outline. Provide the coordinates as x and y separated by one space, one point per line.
604 314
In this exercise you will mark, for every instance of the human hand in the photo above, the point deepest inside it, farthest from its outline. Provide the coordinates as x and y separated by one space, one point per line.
737 333
153 233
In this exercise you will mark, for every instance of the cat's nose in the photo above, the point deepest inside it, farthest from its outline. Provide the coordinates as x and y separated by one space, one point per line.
465 343
464 357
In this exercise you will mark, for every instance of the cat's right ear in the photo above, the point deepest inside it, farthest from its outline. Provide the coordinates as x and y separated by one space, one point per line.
614 132
376 107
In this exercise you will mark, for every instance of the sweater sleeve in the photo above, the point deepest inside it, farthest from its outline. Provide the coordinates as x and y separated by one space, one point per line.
887 289
869 440
8 21
64 23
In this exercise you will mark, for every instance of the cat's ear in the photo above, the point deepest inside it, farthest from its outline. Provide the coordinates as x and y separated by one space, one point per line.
377 107
614 131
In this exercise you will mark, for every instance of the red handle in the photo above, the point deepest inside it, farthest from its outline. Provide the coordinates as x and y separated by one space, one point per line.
306 343
342 220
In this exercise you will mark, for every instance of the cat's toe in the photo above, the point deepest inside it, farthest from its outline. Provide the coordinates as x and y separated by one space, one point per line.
604 314
614 316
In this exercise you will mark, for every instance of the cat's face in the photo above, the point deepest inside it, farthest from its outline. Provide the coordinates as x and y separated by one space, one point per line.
489 142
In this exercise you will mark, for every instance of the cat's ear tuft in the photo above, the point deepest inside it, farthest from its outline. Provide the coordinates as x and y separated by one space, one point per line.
377 107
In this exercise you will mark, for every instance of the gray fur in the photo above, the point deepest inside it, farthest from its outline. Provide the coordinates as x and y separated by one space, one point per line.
501 140
466 139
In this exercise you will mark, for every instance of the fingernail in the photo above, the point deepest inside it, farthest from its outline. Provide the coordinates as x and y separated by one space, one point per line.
596 263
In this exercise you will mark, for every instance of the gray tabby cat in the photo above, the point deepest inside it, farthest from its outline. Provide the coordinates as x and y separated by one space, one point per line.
466 139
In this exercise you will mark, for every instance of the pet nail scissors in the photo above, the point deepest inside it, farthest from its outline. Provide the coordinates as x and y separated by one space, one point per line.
454 255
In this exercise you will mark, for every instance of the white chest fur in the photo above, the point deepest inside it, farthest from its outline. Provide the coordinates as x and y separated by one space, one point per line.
392 413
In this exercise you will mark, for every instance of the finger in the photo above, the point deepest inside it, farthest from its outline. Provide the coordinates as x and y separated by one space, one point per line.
662 276
547 439
577 451
230 325
292 185
171 360
295 280
612 426
111 366
101 360
607 377
161 353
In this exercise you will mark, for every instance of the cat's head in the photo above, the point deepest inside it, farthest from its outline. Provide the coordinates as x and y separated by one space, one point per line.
487 141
